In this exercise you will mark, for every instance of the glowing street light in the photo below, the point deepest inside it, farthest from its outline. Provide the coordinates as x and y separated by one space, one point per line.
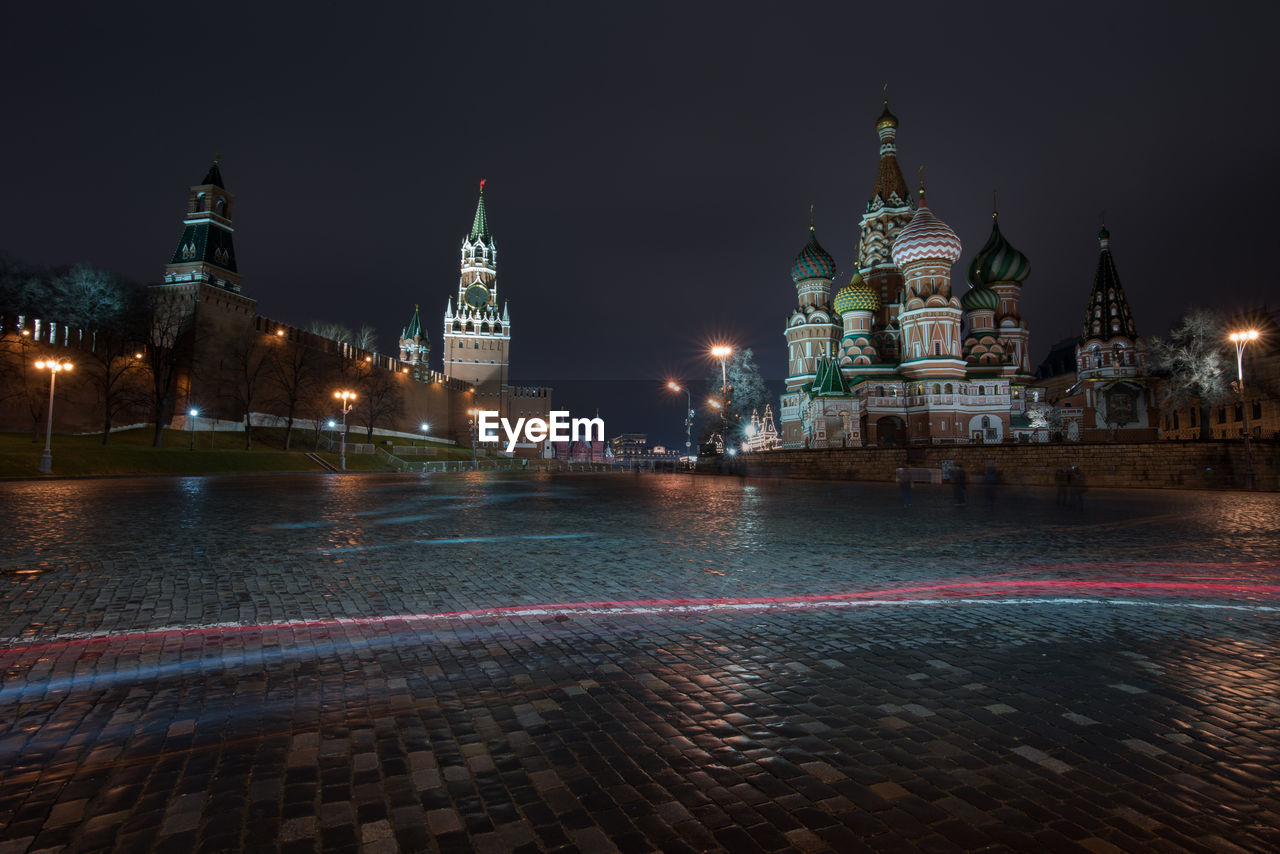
192 427
348 399
1241 339
46 458
688 417
722 352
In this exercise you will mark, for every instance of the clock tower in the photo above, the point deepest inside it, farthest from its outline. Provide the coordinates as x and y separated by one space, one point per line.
477 338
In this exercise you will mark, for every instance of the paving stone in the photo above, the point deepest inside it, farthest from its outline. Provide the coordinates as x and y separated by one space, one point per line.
254 684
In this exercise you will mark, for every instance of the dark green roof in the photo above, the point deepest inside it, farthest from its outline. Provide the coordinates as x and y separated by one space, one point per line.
206 242
414 329
480 225
828 381
214 176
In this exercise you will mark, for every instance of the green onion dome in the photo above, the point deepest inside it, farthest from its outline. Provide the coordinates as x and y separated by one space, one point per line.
998 261
857 296
813 262
979 298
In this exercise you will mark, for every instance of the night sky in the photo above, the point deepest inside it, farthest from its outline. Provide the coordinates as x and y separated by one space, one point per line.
650 166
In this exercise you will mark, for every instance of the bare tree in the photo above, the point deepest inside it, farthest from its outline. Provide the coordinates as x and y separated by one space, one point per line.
380 398
24 385
113 350
87 297
246 366
1193 364
171 333
366 338
332 331
294 376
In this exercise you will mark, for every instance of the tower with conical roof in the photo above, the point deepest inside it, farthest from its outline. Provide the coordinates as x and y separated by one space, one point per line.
1111 359
205 252
887 212
477 337
1110 346
415 348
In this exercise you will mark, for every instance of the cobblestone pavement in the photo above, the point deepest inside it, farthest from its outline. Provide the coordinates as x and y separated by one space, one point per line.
633 663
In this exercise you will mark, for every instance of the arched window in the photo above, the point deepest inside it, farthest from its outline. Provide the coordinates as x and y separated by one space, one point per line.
471 326
937 388
879 391
457 327
947 388
200 201
221 208
982 389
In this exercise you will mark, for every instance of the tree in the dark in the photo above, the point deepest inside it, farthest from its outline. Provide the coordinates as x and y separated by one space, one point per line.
746 390
247 360
22 384
380 398
1193 364
294 374
171 333
112 316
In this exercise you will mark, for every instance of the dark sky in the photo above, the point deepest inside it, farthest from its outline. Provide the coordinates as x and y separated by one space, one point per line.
650 166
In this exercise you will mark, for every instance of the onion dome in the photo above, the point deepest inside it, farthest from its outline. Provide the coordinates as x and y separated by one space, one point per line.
857 296
813 262
887 119
998 261
979 298
926 238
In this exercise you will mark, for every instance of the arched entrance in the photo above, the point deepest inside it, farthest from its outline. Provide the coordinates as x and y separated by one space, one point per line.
891 432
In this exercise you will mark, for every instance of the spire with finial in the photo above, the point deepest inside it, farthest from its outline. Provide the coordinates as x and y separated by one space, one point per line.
811 218
889 180
480 225
995 204
214 175
922 201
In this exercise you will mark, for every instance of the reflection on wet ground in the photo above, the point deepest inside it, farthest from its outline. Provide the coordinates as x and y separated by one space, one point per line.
633 663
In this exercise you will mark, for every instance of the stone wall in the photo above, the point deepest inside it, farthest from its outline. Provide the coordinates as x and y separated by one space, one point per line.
1151 465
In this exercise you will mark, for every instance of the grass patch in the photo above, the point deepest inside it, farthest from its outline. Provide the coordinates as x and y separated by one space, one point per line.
130 452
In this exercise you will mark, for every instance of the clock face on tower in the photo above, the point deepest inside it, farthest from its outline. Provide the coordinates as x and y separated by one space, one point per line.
477 295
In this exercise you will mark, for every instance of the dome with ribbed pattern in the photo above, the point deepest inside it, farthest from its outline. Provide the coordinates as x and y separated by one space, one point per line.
813 262
926 238
857 296
981 297
998 261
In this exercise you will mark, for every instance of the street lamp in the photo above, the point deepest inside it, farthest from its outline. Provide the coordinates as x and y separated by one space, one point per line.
348 400
192 427
722 352
1240 339
46 458
472 427
688 417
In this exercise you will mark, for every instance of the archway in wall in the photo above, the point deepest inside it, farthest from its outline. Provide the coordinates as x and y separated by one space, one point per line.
891 432
986 429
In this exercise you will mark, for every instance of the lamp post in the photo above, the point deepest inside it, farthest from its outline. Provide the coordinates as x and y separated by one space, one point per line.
192 413
688 417
46 458
1241 339
348 400
471 428
722 352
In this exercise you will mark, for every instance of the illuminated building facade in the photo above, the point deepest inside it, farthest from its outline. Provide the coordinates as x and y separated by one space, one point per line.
896 357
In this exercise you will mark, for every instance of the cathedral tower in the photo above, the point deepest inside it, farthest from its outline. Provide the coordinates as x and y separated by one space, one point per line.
811 331
477 338
925 251
1110 346
888 211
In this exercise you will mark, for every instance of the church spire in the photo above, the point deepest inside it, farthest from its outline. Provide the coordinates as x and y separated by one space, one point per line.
480 225
1108 316
890 187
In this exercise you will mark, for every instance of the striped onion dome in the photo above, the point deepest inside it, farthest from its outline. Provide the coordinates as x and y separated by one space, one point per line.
813 262
998 261
979 298
857 296
926 238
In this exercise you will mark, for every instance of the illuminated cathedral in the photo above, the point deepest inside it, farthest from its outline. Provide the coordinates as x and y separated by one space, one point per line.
897 357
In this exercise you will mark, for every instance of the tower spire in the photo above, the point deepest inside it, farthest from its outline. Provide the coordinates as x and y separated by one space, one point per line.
480 225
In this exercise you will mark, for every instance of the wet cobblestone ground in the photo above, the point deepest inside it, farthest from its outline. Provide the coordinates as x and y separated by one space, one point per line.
600 663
